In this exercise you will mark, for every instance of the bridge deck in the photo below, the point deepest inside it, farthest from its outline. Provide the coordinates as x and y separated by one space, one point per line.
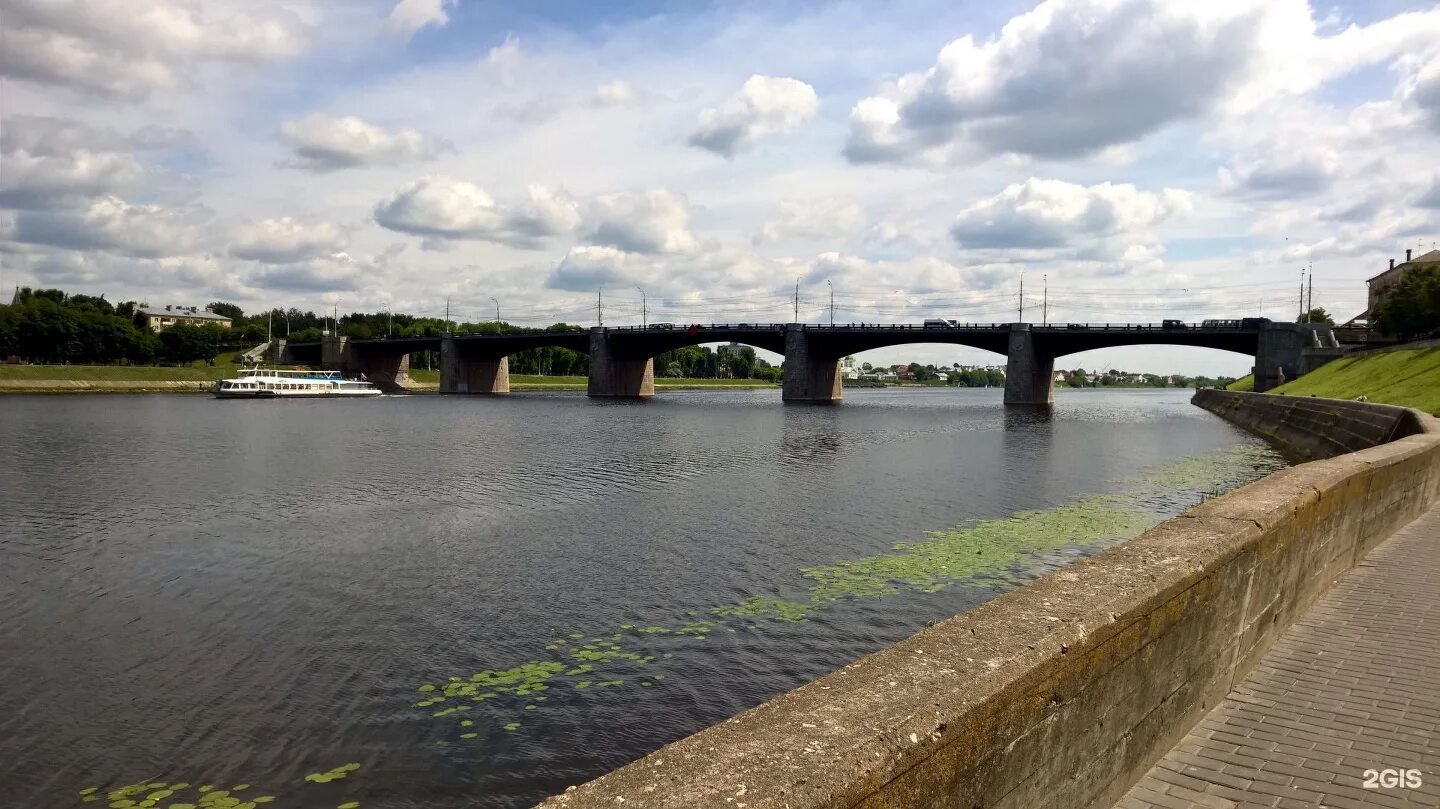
1354 685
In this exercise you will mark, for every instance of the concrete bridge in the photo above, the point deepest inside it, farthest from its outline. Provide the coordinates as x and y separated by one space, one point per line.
622 359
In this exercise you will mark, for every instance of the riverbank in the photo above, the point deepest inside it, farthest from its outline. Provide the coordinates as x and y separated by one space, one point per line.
197 379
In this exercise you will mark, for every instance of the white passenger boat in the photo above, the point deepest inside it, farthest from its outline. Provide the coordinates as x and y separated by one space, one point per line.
268 383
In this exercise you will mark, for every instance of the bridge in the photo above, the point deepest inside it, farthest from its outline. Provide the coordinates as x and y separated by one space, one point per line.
622 358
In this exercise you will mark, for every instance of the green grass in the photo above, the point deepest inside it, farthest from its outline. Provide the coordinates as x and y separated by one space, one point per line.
1408 378
118 373
1244 384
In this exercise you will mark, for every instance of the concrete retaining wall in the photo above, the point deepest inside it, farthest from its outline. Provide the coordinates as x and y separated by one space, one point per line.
1307 428
1063 692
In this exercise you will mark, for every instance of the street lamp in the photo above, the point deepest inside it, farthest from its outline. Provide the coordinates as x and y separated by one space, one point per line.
497 310
644 307
832 300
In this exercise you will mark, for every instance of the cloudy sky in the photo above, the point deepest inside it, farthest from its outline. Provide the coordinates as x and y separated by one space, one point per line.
1142 158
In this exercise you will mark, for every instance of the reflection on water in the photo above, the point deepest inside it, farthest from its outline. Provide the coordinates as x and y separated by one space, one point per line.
482 601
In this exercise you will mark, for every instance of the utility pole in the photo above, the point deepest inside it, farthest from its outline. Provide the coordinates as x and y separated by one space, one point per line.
389 323
832 300
1310 296
644 308
447 314
1301 316
1045 300
797 300
600 306
1022 297
269 322
497 310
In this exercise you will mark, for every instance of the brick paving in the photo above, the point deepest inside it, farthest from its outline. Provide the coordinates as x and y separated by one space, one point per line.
1353 685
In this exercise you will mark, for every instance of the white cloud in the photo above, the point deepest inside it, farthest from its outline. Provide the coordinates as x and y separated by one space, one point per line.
1420 89
50 136
587 268
1283 171
1049 214
442 208
765 105
1430 198
504 59
1072 78
286 240
615 93
409 16
656 221
31 181
325 143
119 47
816 220
114 226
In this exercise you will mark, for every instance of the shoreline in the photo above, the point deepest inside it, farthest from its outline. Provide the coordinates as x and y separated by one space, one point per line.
193 387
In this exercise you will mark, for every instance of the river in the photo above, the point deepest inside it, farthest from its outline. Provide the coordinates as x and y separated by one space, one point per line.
442 602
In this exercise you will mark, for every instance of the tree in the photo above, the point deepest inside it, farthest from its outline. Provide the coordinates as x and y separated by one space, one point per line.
1411 307
1317 315
229 310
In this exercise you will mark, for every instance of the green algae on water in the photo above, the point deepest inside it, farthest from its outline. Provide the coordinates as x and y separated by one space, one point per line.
986 550
149 793
757 607
332 774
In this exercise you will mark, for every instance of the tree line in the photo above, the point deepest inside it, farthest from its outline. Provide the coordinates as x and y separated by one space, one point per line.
49 326
53 327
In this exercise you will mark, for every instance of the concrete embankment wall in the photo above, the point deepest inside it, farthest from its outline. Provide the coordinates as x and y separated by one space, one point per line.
1063 692
1307 428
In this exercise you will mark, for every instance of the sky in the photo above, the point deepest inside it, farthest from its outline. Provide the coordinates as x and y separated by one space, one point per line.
1130 160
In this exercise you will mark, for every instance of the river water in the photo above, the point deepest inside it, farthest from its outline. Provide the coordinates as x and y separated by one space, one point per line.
478 602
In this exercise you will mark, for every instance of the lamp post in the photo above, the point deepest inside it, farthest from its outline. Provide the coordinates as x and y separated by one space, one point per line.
497 310
644 308
832 300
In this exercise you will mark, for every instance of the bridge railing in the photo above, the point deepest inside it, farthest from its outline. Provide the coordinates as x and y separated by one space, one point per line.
702 327
903 327
1208 326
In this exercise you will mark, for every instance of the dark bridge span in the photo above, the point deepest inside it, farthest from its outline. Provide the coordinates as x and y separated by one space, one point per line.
621 359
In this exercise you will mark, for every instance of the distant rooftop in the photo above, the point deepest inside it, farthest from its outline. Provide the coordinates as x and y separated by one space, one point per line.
1432 257
181 311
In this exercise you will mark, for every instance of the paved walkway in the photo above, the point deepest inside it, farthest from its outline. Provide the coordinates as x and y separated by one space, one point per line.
1354 685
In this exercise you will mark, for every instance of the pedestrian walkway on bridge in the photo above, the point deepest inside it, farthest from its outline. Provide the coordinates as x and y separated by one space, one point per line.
1352 686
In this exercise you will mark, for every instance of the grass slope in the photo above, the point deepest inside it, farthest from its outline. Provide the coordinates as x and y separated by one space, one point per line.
1409 378
118 373
1245 384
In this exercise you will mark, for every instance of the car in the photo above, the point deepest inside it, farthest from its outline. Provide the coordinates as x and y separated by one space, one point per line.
1253 322
1172 325
666 326
938 323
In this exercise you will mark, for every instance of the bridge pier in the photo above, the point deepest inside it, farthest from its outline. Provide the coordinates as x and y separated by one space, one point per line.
386 370
461 374
1029 376
618 376
807 378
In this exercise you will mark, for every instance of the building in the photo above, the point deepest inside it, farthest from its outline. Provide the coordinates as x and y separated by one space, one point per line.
162 319
1385 281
